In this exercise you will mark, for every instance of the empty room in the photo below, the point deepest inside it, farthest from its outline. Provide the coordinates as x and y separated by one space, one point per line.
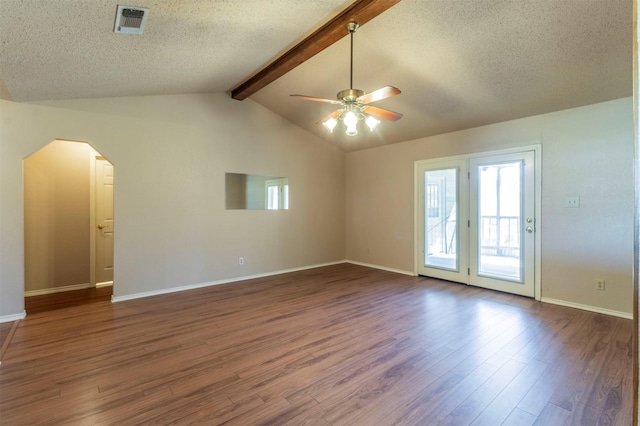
370 212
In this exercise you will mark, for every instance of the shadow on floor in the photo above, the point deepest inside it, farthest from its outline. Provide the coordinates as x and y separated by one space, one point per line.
67 299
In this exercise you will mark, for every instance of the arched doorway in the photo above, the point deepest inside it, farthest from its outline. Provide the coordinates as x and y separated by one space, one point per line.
68 222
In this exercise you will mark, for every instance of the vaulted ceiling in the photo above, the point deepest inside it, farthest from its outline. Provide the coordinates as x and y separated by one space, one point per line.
459 63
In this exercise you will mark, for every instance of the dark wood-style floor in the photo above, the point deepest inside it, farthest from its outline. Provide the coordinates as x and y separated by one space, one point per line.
339 345
67 299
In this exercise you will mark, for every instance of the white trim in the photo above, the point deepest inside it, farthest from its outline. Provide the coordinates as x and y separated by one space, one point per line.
92 215
538 222
383 268
116 299
104 284
416 220
14 317
620 314
533 146
56 289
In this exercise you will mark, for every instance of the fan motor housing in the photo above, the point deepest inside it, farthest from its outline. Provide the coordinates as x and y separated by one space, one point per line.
349 95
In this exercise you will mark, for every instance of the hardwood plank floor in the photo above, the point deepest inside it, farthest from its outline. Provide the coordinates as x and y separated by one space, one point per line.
66 299
338 345
5 330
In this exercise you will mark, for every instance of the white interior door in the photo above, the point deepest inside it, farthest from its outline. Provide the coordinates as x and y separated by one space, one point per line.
104 221
476 220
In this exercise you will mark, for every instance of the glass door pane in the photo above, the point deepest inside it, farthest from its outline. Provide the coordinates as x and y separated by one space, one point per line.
441 219
499 220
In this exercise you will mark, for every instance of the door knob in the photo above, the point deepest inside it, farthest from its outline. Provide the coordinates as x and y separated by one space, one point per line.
529 229
100 226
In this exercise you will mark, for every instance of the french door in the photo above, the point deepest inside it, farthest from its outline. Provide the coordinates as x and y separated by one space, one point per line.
477 220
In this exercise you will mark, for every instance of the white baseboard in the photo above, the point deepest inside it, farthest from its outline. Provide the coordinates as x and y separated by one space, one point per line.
383 268
104 284
56 290
116 299
611 312
14 317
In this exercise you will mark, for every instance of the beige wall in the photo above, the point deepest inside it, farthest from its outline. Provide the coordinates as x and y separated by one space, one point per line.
56 203
172 229
587 152
171 154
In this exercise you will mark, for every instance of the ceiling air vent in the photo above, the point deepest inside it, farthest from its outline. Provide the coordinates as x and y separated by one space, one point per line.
130 20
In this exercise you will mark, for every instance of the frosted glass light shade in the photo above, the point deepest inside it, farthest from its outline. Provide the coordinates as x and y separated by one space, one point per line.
330 124
372 122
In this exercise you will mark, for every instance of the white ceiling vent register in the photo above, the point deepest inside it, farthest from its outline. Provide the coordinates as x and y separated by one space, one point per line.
130 20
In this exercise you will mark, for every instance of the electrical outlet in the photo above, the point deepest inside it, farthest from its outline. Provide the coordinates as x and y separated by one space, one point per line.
241 261
600 285
572 202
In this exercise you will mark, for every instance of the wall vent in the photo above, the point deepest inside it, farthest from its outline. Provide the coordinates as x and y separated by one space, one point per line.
130 20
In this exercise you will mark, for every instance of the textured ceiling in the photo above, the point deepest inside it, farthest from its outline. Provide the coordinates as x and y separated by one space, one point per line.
459 63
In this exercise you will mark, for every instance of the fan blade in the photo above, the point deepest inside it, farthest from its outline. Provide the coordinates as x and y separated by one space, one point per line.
311 98
385 114
378 95
334 114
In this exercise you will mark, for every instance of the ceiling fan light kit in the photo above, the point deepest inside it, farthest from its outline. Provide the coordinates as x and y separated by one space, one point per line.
355 102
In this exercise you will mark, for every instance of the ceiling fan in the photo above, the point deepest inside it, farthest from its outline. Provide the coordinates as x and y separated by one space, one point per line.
355 103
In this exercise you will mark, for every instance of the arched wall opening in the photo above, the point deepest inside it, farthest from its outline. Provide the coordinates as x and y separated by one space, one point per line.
68 224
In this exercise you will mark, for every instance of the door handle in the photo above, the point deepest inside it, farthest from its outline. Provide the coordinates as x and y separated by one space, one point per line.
100 226
529 229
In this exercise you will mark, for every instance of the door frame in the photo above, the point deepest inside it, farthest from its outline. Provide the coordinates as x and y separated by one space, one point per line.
537 150
92 217
94 156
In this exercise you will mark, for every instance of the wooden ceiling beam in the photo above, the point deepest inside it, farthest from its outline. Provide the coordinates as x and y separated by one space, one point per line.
361 11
